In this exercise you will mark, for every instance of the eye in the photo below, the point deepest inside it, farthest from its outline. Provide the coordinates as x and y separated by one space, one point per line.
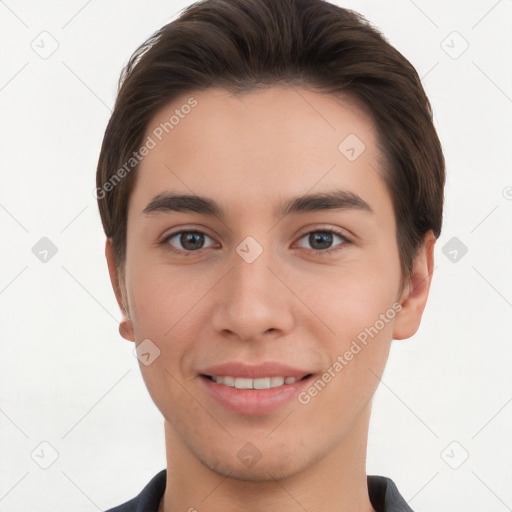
189 241
186 242
321 240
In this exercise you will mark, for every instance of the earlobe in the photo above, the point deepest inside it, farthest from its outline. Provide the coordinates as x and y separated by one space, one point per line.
408 319
126 325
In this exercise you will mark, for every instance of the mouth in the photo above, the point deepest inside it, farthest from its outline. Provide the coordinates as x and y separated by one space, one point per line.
253 390
256 384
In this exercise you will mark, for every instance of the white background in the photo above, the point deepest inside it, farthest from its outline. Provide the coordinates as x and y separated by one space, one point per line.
69 379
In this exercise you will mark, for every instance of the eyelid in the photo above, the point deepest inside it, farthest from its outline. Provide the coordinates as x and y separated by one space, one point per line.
183 229
344 233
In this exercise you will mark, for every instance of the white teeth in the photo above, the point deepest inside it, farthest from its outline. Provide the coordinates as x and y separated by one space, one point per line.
276 381
246 383
228 381
242 383
263 383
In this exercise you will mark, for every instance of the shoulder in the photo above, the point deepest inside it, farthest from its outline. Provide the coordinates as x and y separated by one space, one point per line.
148 499
384 495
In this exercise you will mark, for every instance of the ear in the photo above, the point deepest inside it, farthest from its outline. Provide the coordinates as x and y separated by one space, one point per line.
415 294
126 325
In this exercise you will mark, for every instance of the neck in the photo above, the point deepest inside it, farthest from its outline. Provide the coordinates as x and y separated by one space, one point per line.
333 483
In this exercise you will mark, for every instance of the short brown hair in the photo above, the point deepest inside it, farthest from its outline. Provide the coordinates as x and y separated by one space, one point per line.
241 45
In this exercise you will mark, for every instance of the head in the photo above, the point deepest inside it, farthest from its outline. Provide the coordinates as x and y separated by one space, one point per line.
249 104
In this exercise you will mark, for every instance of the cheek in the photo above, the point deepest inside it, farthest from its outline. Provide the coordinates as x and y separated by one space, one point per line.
362 318
158 299
351 298
363 307
359 308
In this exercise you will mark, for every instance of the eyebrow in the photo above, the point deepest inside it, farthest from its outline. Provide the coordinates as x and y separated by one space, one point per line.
332 200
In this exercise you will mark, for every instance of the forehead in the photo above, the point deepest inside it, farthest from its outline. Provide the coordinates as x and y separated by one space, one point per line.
264 144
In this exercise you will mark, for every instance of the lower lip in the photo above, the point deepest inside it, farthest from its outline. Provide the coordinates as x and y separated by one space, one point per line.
253 402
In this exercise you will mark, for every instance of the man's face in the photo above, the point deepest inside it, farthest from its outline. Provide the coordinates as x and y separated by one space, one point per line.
258 287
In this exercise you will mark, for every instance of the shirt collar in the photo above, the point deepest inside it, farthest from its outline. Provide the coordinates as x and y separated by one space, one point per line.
383 493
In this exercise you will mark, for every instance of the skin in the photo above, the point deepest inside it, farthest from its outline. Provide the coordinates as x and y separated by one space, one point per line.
293 304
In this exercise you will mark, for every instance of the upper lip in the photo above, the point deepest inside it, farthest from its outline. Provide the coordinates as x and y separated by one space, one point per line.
254 371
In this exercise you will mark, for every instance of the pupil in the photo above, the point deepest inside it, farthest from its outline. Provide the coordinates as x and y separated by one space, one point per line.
320 237
195 240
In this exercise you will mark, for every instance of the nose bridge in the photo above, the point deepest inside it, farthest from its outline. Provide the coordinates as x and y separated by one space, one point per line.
252 298
251 274
252 282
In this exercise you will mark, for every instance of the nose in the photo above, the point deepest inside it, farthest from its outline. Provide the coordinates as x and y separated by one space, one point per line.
253 301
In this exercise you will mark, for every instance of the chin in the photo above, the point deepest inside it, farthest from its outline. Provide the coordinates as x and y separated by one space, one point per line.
262 471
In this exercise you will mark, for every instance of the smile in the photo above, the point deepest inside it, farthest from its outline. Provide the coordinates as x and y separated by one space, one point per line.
253 390
247 383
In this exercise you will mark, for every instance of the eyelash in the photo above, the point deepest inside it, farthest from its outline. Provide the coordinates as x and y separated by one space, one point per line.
345 240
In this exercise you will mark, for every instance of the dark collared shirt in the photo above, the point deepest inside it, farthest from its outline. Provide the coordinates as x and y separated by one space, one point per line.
383 493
